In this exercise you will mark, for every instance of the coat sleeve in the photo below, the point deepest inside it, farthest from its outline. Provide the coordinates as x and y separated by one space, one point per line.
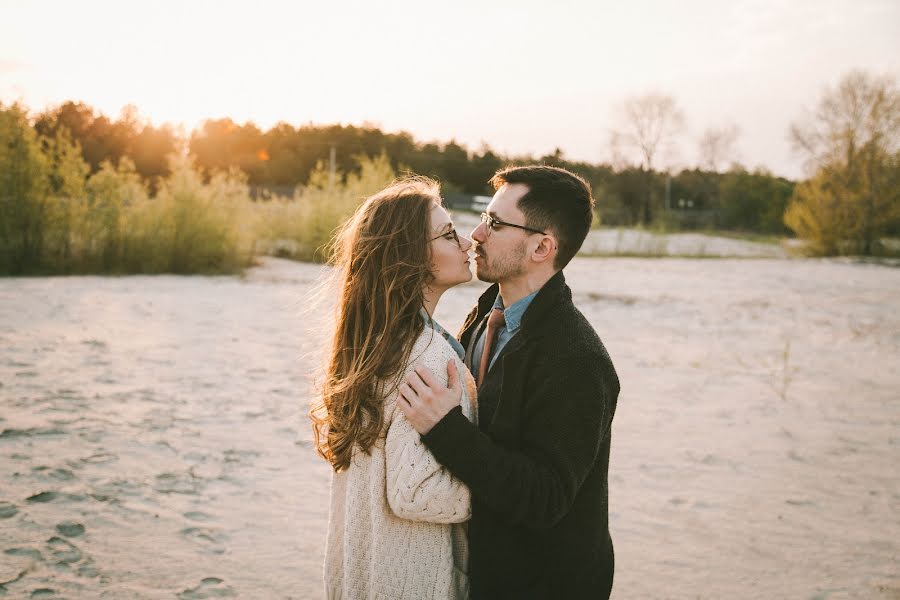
561 433
419 488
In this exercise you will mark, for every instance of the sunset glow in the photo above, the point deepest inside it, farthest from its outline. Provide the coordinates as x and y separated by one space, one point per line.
519 76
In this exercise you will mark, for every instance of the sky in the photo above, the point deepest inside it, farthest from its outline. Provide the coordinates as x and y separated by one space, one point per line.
523 76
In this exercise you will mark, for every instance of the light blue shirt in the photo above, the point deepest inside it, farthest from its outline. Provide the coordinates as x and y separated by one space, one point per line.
513 316
454 343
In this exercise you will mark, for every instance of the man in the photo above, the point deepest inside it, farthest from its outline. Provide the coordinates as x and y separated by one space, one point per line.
537 461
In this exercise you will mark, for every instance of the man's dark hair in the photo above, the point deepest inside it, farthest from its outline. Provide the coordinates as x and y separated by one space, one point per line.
557 200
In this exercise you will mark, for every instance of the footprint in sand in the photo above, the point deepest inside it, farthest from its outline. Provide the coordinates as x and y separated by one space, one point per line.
33 432
43 497
62 551
26 552
210 539
98 458
54 474
175 483
233 455
8 510
43 593
196 515
211 587
95 344
88 570
70 529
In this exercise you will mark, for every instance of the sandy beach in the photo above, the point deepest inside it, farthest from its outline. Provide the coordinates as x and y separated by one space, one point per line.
154 444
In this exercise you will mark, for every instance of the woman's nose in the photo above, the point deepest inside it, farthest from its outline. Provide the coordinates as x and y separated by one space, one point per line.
465 243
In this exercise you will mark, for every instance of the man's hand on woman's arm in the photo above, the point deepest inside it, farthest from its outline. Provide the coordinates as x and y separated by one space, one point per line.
425 401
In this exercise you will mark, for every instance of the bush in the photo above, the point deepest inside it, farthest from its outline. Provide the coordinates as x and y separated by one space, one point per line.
830 213
853 142
190 227
41 180
53 219
301 227
112 194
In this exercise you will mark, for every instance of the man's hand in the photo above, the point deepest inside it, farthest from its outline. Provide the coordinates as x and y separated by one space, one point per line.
425 401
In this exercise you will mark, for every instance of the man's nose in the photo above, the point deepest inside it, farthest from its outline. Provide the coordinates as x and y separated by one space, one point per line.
479 234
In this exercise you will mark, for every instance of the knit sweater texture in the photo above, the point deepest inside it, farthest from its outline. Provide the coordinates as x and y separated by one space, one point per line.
396 527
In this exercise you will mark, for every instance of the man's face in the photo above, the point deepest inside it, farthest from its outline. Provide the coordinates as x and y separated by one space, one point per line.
500 255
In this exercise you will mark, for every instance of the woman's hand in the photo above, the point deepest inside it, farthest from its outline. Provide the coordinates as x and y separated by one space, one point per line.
425 401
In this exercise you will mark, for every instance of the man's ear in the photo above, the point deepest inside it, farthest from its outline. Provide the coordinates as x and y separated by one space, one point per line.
545 250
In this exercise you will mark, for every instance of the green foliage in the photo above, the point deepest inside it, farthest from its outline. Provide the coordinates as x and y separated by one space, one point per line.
821 214
103 140
23 190
853 142
302 227
288 156
113 195
54 219
623 198
64 214
67 169
81 193
839 213
190 227
753 201
284 157
41 180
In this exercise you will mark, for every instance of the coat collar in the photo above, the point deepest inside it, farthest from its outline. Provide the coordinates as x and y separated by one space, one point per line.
553 291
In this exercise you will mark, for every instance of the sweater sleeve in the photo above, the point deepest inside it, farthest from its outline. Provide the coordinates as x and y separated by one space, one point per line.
536 484
419 488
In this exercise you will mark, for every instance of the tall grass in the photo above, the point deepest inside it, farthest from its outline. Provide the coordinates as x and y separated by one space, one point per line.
301 227
190 226
55 219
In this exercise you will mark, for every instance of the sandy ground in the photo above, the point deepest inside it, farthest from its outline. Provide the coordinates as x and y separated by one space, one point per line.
153 442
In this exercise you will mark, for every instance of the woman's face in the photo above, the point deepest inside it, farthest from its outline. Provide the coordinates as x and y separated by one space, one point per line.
449 259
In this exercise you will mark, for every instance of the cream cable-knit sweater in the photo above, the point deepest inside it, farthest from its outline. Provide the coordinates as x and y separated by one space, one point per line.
396 524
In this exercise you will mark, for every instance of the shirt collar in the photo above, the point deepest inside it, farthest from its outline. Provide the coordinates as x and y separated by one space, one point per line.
454 343
513 315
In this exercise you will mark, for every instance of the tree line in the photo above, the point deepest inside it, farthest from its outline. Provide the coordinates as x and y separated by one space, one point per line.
281 158
78 190
58 215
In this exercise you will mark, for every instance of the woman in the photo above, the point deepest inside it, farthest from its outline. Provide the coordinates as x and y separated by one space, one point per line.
396 524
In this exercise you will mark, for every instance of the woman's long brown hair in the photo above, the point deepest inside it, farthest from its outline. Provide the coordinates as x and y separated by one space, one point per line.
382 258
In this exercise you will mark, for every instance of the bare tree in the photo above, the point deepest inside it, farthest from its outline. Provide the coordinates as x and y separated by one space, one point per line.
717 146
862 114
852 145
649 123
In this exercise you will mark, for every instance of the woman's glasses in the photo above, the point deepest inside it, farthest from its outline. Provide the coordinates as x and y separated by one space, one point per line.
450 236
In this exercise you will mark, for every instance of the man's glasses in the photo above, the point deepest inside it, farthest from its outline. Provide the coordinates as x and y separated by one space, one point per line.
450 236
493 223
